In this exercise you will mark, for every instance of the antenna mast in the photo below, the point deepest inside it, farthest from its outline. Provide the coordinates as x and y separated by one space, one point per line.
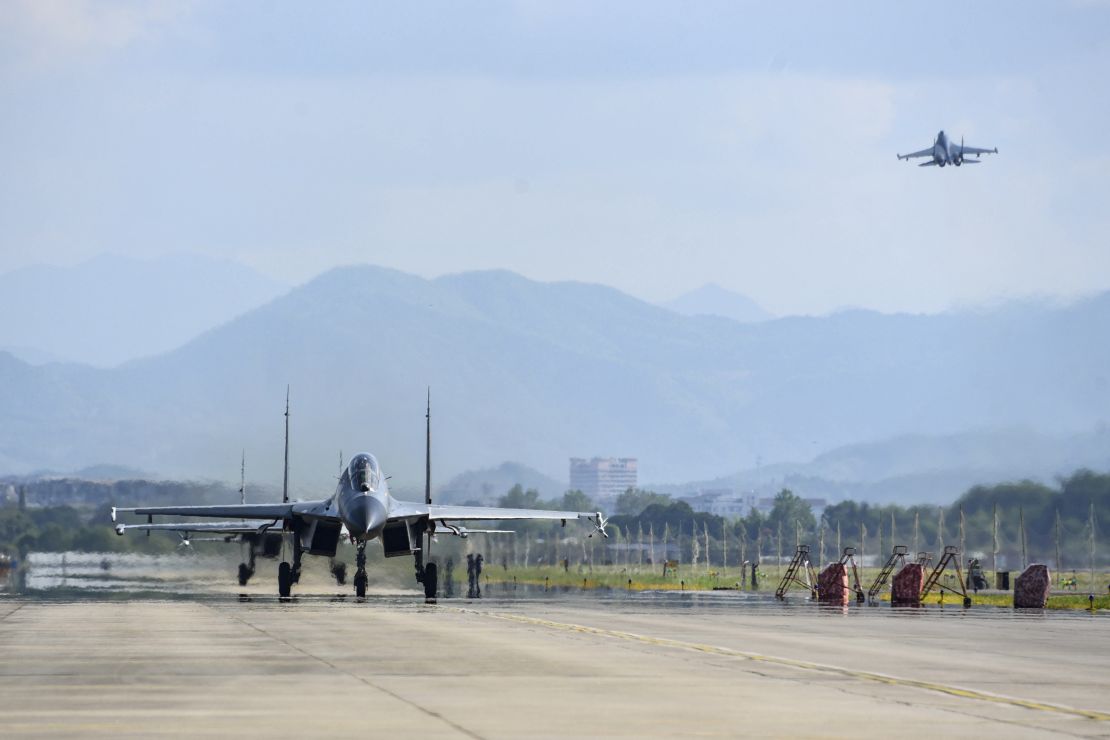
428 474
428 450
243 478
285 478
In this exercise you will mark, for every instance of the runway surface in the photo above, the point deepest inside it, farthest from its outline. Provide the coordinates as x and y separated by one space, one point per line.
546 665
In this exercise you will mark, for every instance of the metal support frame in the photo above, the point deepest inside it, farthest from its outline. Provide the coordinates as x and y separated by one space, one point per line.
897 559
951 557
799 567
848 557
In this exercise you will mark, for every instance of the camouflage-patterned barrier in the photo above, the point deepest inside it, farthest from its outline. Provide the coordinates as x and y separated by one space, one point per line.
906 586
832 584
1031 587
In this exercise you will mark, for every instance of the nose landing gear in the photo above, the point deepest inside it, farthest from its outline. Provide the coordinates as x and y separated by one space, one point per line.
360 571
285 580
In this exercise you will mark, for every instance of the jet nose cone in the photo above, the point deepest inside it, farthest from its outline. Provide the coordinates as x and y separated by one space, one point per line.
366 517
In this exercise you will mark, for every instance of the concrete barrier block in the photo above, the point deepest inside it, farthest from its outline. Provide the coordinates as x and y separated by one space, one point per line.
832 584
1031 587
906 585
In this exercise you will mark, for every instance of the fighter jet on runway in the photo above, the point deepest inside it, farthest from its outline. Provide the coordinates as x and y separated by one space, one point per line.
361 507
945 152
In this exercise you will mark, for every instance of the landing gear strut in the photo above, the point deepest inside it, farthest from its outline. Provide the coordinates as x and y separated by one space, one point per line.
297 552
285 580
339 571
246 570
360 571
430 584
427 575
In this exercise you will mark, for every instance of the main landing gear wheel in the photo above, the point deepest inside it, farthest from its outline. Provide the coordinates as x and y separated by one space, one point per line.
430 583
285 580
245 573
360 585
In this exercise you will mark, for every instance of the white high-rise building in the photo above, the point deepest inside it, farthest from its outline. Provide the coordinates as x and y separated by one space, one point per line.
603 478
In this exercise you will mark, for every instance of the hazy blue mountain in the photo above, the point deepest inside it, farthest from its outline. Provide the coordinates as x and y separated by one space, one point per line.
111 309
713 300
921 468
489 484
541 372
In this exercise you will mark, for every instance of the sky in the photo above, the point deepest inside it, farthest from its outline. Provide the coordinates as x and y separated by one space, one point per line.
649 146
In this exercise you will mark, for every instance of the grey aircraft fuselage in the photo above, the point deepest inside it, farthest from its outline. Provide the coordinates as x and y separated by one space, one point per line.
362 498
945 152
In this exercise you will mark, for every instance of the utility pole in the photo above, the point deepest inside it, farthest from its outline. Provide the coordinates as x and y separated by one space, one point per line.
838 549
705 531
821 541
963 533
778 550
640 541
940 529
893 534
1091 527
994 538
880 536
743 550
1021 527
1059 567
724 544
862 542
916 530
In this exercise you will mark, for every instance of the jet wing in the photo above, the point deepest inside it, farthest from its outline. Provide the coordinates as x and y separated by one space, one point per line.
236 527
460 531
923 153
977 151
245 511
440 513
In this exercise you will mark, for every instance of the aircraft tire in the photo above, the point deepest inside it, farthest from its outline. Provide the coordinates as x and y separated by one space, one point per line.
430 581
245 573
285 580
360 585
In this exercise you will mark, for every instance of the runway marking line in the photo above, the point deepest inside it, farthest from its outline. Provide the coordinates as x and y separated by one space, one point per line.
804 665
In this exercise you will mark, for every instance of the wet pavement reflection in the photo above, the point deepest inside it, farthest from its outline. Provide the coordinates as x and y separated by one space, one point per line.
111 576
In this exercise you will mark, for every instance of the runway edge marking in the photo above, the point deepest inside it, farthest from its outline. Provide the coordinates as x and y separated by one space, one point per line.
804 665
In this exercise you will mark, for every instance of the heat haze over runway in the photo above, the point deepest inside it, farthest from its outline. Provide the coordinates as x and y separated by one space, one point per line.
545 665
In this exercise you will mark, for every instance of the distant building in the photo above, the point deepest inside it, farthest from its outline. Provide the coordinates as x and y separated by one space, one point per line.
817 505
723 502
603 477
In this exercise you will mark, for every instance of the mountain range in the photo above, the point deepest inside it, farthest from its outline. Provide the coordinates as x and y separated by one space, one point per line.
713 300
111 309
539 372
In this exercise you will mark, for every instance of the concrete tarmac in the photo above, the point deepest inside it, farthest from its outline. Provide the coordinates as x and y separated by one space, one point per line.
548 666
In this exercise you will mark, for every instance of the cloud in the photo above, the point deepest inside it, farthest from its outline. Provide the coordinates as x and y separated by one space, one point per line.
47 34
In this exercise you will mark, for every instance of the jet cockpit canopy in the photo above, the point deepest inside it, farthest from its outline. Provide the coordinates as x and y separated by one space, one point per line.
364 472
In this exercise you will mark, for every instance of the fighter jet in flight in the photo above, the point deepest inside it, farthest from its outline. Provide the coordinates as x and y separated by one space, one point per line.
361 508
944 152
